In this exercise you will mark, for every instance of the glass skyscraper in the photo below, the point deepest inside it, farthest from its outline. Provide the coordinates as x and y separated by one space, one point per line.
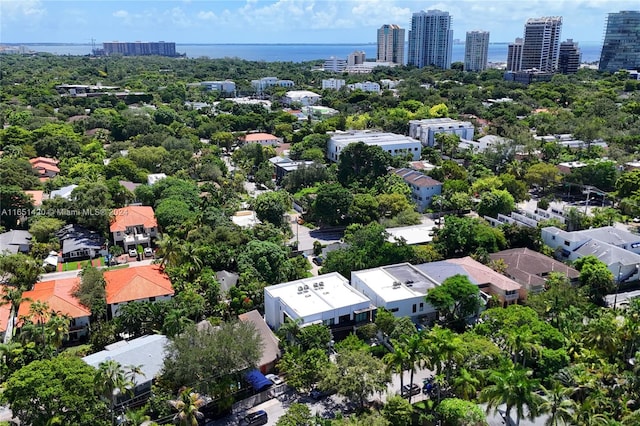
541 44
621 47
430 39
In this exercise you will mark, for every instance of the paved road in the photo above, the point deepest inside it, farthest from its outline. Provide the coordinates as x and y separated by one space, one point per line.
306 236
71 274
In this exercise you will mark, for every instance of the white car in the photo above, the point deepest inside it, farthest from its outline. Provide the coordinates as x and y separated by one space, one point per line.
148 252
133 253
274 379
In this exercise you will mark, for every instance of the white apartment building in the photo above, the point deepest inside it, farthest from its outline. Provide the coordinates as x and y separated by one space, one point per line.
226 86
423 187
333 83
327 299
476 51
334 64
617 248
304 97
392 143
266 82
365 86
426 130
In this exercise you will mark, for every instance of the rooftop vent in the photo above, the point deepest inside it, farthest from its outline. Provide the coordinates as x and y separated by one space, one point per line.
315 285
300 288
306 286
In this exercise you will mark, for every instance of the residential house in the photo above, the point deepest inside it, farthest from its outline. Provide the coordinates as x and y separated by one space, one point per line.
15 241
154 177
265 82
264 139
5 317
303 97
79 243
134 225
423 187
427 129
64 192
617 248
227 280
46 167
531 269
36 197
365 86
58 295
270 343
333 83
398 288
327 299
394 144
284 165
137 284
146 352
245 218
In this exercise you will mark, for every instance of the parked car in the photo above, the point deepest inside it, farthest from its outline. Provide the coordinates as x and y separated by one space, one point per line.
318 260
410 390
133 253
148 252
254 419
274 379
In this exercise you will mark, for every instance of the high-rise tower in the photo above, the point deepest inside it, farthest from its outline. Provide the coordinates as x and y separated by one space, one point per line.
430 39
514 55
476 50
569 58
541 44
391 44
621 47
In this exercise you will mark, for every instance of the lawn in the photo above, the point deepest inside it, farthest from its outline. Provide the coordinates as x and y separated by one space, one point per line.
74 266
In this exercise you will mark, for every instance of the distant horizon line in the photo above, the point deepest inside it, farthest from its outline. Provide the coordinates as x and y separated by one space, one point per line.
230 44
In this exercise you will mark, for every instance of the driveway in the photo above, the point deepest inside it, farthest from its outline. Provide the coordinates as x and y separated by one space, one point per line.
71 274
306 236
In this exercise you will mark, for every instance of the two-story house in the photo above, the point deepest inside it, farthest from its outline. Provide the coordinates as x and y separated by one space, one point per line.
46 167
134 225
423 187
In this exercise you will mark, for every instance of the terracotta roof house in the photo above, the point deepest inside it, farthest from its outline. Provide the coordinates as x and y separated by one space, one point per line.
58 295
270 343
46 167
262 139
138 284
530 268
134 225
36 196
5 315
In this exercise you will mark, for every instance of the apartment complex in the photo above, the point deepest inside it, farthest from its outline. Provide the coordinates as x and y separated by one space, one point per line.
139 48
335 64
390 142
621 48
541 45
391 44
476 51
514 55
333 83
426 130
569 57
266 82
430 39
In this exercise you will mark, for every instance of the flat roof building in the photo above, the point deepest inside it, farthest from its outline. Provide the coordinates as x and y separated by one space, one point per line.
392 143
327 299
426 130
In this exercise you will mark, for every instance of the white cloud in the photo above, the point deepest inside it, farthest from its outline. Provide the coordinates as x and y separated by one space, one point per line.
15 10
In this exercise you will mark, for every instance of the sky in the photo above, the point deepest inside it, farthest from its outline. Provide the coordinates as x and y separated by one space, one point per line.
282 21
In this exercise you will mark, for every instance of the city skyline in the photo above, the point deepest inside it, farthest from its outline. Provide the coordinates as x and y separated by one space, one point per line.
281 21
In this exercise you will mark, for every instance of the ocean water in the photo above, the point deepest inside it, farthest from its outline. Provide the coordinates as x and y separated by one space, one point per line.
300 52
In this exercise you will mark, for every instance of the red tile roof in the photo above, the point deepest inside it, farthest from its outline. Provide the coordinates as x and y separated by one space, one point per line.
133 216
37 197
483 274
255 137
58 295
5 311
45 163
136 283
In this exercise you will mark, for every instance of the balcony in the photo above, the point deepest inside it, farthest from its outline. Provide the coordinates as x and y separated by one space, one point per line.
136 239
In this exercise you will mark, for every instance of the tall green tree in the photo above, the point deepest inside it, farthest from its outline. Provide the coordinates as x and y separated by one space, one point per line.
456 299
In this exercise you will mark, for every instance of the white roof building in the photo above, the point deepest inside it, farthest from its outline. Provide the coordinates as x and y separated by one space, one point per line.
333 83
64 192
392 143
365 86
154 177
426 130
304 97
326 299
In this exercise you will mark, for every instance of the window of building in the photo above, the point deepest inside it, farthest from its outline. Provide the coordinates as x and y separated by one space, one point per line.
421 306
567 243
363 316
329 322
152 299
344 318
394 310
413 309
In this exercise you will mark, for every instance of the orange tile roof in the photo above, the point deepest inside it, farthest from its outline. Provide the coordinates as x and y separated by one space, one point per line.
5 311
45 163
133 216
483 274
136 283
253 137
58 295
37 197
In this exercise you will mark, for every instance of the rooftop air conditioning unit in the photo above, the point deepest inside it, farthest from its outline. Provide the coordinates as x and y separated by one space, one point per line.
306 287
300 288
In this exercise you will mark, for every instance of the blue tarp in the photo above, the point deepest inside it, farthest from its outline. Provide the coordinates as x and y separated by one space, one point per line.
257 380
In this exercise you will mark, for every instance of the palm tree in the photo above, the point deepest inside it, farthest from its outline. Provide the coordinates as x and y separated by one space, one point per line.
397 360
465 385
522 342
513 386
445 349
136 417
110 381
558 403
416 350
187 405
169 249
58 328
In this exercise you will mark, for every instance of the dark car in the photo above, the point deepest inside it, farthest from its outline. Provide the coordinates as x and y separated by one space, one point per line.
410 390
254 419
318 260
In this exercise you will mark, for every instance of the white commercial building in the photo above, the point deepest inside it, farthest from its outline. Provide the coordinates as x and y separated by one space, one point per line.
304 97
326 299
423 187
333 83
266 82
426 130
358 57
335 64
392 143
226 86
365 86
617 248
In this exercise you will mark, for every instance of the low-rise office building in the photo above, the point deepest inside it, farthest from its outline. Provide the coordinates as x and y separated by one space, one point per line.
392 143
426 130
